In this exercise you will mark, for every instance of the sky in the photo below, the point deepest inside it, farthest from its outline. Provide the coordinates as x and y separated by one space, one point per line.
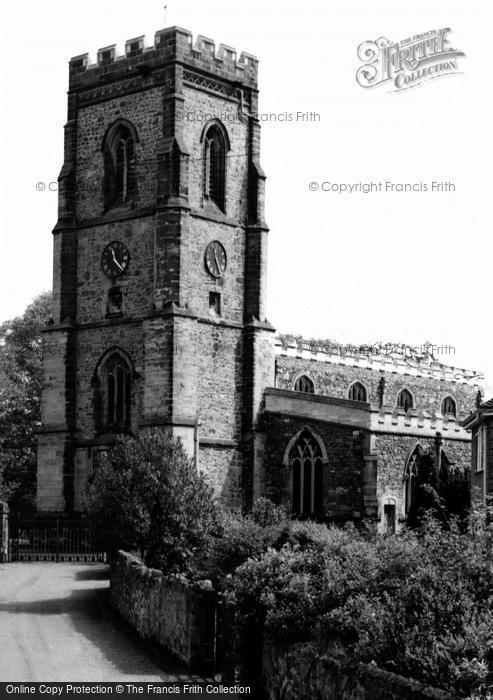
409 267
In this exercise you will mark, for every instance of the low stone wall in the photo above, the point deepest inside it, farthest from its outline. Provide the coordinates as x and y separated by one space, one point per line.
168 610
299 673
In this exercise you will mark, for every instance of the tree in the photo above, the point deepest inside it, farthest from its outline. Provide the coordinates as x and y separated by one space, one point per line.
147 497
442 490
20 398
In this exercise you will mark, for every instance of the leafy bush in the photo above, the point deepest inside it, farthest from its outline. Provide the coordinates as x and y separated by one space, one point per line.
244 537
266 513
442 489
239 538
147 497
418 604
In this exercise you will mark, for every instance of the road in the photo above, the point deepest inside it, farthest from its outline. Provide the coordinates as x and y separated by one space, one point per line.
56 625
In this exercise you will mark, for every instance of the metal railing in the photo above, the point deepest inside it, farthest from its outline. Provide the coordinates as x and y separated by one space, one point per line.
54 540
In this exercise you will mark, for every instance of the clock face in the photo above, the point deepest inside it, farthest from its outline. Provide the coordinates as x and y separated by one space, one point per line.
215 259
115 259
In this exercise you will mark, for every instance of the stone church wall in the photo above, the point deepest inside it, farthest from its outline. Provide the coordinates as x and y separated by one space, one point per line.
199 108
220 357
393 453
222 466
196 283
144 110
335 380
192 372
136 284
343 473
92 343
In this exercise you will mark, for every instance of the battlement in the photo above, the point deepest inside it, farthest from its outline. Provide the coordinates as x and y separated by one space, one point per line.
172 44
395 358
367 416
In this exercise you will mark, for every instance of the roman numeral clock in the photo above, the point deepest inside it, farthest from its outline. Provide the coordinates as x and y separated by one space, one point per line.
215 259
115 259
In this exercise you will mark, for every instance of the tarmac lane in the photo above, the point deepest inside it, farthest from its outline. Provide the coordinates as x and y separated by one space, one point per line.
56 625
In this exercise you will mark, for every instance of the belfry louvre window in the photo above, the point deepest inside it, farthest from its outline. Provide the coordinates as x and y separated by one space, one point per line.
304 384
120 167
215 166
357 392
449 406
306 464
405 400
114 394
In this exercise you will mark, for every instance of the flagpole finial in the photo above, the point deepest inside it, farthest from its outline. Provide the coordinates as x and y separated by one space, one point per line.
165 7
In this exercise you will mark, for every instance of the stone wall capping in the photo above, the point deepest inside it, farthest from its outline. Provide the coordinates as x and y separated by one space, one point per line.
227 53
135 46
107 54
162 421
161 34
217 442
247 59
205 45
80 62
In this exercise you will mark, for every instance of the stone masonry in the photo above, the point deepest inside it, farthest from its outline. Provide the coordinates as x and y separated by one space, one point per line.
197 374
201 358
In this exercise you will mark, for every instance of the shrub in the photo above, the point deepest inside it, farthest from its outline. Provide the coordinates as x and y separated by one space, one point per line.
244 537
147 497
418 604
266 513
241 537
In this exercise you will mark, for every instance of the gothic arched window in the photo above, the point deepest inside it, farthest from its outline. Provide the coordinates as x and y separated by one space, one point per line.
405 400
114 394
449 407
306 465
410 477
119 156
215 166
357 392
304 384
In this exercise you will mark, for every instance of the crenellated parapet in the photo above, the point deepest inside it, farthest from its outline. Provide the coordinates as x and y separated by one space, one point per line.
386 420
393 358
390 419
172 44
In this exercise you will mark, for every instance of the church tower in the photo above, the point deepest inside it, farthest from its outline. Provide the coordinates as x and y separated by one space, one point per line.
159 266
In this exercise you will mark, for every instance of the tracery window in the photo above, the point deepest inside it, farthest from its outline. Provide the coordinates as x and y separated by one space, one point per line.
119 154
114 394
410 477
215 166
306 465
